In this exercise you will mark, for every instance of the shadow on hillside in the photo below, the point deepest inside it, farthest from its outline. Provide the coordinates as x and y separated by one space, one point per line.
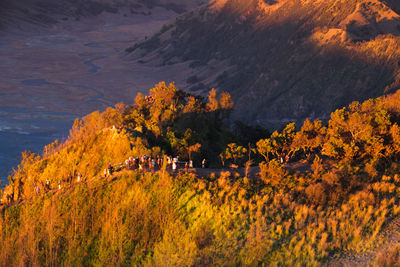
393 4
373 30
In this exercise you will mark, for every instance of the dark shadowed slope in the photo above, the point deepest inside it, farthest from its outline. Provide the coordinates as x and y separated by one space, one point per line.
284 60
45 12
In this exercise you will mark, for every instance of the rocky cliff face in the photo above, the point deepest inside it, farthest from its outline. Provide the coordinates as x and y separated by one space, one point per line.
284 60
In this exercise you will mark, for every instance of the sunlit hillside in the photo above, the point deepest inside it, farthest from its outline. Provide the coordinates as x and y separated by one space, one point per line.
303 195
284 60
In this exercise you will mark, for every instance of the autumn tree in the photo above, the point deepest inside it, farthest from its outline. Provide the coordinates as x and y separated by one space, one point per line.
183 145
193 105
358 132
395 136
282 141
310 137
226 104
164 100
235 152
213 103
265 147
140 101
279 142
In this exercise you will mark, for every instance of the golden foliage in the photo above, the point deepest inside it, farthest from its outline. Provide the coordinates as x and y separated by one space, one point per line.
340 202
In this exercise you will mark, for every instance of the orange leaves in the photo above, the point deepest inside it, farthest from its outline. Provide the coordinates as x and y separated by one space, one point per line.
226 101
234 152
212 104
272 172
265 147
358 132
310 137
223 106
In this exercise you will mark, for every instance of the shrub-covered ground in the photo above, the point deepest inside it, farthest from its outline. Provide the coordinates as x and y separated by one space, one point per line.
156 219
341 199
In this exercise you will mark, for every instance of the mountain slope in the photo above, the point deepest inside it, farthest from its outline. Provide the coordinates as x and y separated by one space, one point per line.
284 60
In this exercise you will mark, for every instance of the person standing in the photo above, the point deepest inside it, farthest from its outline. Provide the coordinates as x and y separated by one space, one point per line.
37 189
127 163
79 177
110 169
159 162
203 163
169 162
173 166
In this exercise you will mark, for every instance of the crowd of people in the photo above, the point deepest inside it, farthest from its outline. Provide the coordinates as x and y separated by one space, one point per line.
146 163
47 185
143 163
284 158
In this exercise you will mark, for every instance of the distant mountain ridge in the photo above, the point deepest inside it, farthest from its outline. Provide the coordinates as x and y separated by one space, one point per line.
284 60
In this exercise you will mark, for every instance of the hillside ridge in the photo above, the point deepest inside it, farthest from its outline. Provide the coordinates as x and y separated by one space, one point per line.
287 60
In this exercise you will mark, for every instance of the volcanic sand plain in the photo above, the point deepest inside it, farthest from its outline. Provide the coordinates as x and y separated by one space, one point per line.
51 75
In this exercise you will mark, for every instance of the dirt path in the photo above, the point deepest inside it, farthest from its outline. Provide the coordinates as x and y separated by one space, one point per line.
388 237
